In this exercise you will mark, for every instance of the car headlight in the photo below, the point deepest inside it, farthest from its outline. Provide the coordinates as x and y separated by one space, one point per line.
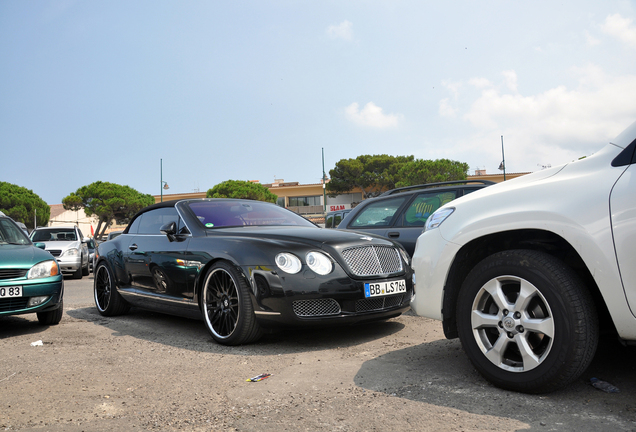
70 252
289 263
319 263
43 269
438 218
405 256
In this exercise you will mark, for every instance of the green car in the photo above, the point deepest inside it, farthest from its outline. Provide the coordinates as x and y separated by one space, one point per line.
30 278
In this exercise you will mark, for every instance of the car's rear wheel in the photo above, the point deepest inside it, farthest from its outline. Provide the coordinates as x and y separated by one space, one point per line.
51 317
526 321
108 301
227 307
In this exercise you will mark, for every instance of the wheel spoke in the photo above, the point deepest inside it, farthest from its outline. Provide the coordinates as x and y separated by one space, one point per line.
496 353
530 360
527 292
539 325
482 320
493 288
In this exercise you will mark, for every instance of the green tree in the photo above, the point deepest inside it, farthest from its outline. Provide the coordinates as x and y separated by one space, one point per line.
241 189
22 205
373 174
107 201
422 171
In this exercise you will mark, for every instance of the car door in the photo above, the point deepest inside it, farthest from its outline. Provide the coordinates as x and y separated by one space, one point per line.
153 262
378 216
623 213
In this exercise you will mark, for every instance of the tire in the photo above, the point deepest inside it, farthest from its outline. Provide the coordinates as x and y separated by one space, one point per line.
227 306
78 273
86 270
107 300
51 317
526 321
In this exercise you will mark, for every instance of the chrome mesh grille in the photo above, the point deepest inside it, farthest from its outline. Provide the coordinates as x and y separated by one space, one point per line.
12 273
317 307
373 260
379 303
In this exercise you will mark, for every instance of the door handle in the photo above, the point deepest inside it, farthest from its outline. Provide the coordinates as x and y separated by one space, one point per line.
394 234
132 247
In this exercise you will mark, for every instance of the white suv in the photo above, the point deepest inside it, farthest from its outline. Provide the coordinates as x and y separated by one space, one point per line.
67 245
527 272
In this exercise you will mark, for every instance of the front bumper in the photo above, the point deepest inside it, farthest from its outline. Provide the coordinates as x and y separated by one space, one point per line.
70 264
52 287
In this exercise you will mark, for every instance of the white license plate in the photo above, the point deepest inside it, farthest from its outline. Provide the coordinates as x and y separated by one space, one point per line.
376 289
11 291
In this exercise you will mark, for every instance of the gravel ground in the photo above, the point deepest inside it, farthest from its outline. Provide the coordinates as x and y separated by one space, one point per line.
147 371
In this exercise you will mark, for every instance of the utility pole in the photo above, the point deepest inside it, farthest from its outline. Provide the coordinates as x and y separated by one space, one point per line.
503 158
324 185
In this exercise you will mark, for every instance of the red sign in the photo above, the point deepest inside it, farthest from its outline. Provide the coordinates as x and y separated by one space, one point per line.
336 207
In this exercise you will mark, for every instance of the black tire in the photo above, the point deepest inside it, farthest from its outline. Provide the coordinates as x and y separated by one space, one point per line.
107 300
227 306
51 317
538 332
85 270
78 273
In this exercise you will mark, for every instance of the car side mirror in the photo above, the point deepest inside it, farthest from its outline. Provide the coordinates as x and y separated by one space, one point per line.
169 229
40 245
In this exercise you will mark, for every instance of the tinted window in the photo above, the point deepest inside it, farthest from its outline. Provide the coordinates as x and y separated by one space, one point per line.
10 233
423 206
329 221
378 213
337 219
61 234
153 220
215 214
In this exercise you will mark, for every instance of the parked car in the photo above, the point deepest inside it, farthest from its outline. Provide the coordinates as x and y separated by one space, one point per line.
22 226
30 278
526 273
91 245
333 218
113 234
400 214
247 265
67 245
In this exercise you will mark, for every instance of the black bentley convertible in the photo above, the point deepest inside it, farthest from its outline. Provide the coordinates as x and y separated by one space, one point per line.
244 266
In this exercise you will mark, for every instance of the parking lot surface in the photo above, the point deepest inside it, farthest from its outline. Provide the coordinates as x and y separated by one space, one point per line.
148 371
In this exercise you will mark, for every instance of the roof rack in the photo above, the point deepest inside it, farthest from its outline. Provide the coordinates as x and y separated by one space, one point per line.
433 185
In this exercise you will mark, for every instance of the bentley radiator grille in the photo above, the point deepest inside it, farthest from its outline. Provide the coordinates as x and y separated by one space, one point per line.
11 304
315 308
379 303
12 273
373 260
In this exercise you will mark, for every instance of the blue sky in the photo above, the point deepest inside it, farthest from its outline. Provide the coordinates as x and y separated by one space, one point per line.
253 90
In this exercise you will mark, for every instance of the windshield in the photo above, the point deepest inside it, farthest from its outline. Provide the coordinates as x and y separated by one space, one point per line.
10 233
215 214
59 234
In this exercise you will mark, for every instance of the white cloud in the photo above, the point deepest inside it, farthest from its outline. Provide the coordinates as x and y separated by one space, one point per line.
371 115
621 28
344 31
551 127
591 40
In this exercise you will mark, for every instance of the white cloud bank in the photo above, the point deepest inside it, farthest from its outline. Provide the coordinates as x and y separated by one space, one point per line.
621 28
371 116
554 126
343 31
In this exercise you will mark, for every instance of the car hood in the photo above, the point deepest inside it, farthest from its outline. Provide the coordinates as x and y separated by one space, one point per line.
62 245
316 237
21 256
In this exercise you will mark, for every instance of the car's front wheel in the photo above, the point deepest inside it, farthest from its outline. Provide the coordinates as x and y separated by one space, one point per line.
108 301
51 317
227 307
526 321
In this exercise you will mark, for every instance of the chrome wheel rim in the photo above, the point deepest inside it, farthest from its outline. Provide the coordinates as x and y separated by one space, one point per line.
221 303
102 288
512 324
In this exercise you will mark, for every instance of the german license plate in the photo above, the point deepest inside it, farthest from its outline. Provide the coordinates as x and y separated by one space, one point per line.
11 291
377 289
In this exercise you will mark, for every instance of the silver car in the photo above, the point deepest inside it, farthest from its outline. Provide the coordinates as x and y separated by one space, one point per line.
67 245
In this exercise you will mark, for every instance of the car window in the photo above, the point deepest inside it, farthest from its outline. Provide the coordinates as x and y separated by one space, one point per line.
10 233
329 221
337 219
378 214
152 220
424 205
216 214
61 234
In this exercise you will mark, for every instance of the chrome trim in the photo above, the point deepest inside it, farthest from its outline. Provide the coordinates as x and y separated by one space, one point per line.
266 313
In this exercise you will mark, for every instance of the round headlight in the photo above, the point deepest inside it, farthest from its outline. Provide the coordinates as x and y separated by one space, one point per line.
319 263
289 263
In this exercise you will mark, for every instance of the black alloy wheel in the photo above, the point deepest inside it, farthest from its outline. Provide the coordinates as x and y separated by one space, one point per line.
526 321
107 300
227 307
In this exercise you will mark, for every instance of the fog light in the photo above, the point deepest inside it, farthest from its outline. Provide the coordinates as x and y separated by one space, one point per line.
35 301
